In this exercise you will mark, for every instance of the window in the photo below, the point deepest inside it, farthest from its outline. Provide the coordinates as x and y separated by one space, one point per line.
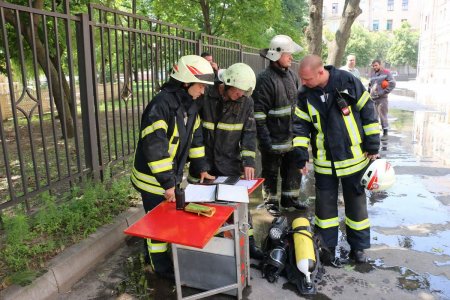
375 25
389 25
334 8
390 5
405 4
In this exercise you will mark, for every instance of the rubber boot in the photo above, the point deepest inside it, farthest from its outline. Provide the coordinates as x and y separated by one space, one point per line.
385 136
162 265
358 255
255 251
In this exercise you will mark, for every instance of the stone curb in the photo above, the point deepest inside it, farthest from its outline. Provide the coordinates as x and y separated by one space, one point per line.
76 261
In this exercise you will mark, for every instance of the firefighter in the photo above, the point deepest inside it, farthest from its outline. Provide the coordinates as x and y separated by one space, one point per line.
229 131
275 98
337 117
170 131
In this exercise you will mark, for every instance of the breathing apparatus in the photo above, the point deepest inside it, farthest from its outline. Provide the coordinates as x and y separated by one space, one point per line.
275 247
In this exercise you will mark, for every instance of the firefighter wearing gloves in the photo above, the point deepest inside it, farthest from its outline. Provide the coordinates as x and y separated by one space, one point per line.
170 131
337 117
229 131
275 98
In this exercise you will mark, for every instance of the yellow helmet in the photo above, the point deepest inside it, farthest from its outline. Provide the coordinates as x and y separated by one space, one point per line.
379 176
240 76
193 68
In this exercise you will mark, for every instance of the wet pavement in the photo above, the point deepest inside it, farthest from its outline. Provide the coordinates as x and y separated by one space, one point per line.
410 228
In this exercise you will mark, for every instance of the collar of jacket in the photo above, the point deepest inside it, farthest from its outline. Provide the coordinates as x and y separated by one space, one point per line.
183 96
278 70
214 93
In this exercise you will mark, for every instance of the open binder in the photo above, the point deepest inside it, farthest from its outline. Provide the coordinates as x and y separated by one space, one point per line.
218 192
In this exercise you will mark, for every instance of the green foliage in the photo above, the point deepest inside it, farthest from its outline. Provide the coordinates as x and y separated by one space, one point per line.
61 221
404 49
361 45
382 41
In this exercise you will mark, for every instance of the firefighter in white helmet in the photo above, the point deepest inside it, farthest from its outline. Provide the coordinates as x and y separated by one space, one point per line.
170 131
229 131
275 97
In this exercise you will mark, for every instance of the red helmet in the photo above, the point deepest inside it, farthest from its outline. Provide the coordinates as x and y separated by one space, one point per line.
384 84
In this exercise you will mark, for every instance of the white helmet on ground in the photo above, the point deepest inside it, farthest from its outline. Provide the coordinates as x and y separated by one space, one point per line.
282 44
379 176
192 69
240 76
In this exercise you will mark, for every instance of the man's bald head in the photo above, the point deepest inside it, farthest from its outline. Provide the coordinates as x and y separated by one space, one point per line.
312 72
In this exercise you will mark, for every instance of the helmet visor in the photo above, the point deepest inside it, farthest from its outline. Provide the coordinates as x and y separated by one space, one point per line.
206 77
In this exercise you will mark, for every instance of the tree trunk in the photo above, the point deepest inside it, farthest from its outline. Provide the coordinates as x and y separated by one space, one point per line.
314 30
205 11
336 48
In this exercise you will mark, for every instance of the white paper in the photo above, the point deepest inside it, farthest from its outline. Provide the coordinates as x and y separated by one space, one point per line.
220 179
247 183
232 193
200 193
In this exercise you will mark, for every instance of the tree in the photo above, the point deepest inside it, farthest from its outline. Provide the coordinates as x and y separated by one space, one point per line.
382 41
337 47
405 46
314 31
360 44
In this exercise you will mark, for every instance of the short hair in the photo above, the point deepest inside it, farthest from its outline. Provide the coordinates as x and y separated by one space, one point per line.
205 54
376 61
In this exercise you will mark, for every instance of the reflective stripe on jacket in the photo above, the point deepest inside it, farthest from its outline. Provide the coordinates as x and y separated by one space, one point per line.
338 142
163 136
229 133
275 97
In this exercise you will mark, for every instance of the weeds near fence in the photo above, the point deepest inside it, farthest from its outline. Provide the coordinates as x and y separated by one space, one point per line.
28 242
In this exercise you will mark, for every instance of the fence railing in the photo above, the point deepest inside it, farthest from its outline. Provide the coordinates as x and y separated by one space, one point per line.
76 86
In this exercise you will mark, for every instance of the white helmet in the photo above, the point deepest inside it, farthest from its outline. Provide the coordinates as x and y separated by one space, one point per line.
282 44
240 76
379 176
193 68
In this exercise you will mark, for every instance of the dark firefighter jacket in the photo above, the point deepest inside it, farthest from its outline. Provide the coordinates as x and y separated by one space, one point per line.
229 133
337 141
275 98
162 139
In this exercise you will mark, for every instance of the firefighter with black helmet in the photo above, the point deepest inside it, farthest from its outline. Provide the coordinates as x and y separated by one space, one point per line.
275 99
229 130
170 131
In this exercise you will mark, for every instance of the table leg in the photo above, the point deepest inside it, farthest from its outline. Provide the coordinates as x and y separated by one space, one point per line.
176 270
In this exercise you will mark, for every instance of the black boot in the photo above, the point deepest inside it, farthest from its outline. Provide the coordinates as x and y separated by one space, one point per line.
272 207
328 258
255 251
162 265
385 136
287 203
358 255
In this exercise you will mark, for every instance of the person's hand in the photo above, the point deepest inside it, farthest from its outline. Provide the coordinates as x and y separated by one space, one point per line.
214 66
304 170
249 173
169 194
372 156
205 175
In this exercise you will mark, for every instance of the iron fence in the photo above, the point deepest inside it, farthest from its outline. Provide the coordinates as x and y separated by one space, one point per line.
76 86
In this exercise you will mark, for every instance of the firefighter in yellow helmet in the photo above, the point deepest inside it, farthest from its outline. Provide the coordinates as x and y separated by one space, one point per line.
170 132
229 131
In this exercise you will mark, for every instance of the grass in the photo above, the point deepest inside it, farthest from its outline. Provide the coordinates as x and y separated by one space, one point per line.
29 242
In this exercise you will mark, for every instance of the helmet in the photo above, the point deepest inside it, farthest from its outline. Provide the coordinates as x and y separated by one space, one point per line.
379 176
193 68
384 84
281 44
240 76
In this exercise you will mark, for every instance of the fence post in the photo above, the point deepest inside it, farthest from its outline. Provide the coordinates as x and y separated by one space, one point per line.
87 100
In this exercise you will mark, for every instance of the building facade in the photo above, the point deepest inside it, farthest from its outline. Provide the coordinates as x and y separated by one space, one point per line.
377 15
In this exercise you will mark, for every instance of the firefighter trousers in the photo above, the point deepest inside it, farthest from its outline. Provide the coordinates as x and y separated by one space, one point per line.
283 163
356 218
156 252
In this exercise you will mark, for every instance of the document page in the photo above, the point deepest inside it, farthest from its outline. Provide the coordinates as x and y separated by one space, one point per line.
232 193
200 193
247 183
